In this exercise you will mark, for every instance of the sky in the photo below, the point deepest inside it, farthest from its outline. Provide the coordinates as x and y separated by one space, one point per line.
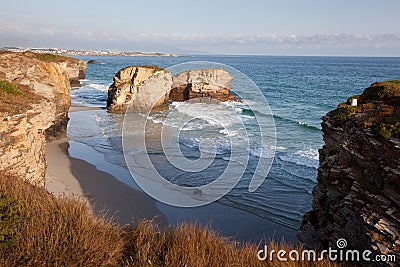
281 27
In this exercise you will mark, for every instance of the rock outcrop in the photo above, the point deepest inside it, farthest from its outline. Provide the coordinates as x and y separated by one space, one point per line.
37 114
211 83
357 196
146 86
75 70
151 88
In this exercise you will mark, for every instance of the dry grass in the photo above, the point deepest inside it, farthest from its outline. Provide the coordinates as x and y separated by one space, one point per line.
56 232
16 99
194 245
46 231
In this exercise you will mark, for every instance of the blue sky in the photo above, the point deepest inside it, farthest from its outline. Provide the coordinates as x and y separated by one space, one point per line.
285 27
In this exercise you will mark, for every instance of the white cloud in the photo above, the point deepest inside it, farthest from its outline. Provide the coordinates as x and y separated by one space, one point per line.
320 43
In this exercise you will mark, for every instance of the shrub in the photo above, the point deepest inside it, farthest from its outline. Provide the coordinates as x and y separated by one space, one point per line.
382 90
9 216
14 99
155 67
388 127
55 232
10 88
51 231
50 57
342 113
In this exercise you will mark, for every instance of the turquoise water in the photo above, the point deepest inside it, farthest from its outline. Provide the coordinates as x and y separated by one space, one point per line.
299 90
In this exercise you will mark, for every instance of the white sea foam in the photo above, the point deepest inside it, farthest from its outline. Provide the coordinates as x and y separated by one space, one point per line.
304 157
309 153
100 87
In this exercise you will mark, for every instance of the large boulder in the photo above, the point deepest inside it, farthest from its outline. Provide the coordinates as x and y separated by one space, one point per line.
210 83
146 86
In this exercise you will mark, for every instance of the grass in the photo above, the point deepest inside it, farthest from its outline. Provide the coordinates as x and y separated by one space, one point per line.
10 88
54 232
382 90
15 99
155 67
343 113
49 231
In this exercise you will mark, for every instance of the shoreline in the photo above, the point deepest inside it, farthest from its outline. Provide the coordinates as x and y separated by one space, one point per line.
72 177
75 168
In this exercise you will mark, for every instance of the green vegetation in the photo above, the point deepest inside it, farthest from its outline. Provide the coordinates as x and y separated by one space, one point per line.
155 67
10 88
53 231
382 90
342 113
50 57
15 99
388 127
9 215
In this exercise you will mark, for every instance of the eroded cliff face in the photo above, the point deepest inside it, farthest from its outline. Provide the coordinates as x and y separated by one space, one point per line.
357 196
75 70
37 114
23 142
151 88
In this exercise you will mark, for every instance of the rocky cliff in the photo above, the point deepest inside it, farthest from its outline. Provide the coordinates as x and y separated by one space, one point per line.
34 108
357 196
151 88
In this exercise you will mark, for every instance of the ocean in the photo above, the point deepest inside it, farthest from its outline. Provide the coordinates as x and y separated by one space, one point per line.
299 91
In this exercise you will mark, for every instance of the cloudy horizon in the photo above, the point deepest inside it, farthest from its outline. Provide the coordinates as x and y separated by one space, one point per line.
314 28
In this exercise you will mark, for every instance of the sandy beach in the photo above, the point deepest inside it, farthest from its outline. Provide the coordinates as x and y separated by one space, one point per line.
68 176
77 169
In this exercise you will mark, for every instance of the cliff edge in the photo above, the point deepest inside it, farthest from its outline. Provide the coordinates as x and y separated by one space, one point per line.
34 93
357 196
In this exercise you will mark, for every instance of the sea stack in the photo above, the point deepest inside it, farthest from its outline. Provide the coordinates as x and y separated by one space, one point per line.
151 88
211 83
146 86
357 196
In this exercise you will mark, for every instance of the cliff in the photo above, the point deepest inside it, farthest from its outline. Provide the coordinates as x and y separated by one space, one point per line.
357 196
151 88
34 108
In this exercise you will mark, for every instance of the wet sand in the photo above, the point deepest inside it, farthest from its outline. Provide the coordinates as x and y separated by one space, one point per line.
75 177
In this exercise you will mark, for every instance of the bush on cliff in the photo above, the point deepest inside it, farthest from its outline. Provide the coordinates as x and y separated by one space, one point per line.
382 90
41 230
14 99
342 113
388 127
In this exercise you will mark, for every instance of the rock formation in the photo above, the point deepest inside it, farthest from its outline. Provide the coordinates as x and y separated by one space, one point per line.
92 61
357 196
37 114
75 70
211 83
146 86
151 88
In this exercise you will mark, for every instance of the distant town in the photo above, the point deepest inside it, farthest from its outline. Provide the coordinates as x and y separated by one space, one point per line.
79 52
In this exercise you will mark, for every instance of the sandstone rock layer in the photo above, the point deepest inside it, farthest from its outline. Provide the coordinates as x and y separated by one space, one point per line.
357 196
24 132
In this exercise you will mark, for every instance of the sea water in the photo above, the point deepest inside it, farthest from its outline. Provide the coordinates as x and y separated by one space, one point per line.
299 91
